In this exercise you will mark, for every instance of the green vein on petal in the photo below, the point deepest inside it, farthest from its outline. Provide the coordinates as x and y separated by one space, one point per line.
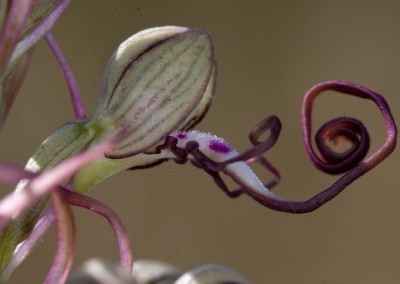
157 91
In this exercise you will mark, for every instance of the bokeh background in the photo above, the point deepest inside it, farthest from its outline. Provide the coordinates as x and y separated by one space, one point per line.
269 53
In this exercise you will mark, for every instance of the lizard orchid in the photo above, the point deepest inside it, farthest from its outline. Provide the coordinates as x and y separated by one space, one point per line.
156 87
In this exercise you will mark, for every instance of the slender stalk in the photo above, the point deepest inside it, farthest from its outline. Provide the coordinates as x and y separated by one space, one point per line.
12 173
121 235
65 226
76 98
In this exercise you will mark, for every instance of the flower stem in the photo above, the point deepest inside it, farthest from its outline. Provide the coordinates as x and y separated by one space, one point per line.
65 226
121 235
76 98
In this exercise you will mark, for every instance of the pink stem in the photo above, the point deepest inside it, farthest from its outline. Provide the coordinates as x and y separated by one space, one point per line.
121 235
12 173
65 226
76 98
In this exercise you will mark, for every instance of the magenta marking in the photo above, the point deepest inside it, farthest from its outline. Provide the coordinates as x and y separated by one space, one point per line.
219 147
182 135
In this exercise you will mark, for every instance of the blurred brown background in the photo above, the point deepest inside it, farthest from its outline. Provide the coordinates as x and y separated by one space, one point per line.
269 53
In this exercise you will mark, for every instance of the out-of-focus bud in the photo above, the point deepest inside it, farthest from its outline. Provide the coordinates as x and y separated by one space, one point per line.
154 272
212 274
152 84
98 271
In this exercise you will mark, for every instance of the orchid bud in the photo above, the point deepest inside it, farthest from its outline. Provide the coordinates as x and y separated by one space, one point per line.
101 272
212 273
154 272
152 84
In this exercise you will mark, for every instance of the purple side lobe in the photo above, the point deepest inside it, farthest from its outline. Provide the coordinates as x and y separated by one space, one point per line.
182 135
219 147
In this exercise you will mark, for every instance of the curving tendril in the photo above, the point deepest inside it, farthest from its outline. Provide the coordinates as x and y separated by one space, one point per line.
337 130
351 163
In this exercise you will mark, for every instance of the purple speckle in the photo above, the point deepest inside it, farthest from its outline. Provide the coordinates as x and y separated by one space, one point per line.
182 135
219 147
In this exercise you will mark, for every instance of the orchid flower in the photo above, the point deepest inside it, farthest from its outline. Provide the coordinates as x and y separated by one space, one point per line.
157 86
161 73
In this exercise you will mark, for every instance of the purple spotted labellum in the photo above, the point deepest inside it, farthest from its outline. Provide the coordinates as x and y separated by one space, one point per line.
216 156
